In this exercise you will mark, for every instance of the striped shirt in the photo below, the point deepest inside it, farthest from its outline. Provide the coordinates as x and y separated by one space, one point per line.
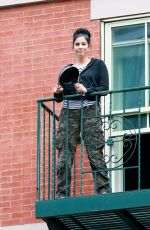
77 104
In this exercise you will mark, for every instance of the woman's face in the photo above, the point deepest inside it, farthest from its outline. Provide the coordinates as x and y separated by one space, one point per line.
81 47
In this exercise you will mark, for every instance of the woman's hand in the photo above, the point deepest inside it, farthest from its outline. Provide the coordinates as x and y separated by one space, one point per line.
58 89
80 88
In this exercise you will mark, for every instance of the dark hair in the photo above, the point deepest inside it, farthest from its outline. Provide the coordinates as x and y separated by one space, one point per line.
82 32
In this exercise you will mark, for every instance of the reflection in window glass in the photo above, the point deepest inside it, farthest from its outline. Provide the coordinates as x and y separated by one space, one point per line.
128 72
129 122
132 122
149 70
148 30
128 33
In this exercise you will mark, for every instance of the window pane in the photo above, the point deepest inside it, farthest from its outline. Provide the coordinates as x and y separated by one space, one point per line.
129 122
128 33
132 122
148 30
149 70
128 72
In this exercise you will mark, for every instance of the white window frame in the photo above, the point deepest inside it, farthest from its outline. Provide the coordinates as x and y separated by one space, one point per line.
106 47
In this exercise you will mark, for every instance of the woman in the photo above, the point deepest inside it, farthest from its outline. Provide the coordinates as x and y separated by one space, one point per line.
93 77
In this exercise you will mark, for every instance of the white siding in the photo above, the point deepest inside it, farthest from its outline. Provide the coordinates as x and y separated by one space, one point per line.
40 226
4 3
115 8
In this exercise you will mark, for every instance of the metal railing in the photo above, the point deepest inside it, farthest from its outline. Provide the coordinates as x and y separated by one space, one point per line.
125 116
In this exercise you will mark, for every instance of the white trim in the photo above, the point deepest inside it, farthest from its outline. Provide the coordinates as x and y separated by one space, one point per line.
126 18
37 226
118 8
8 3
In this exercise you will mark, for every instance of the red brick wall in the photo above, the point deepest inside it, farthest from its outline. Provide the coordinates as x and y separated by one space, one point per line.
35 42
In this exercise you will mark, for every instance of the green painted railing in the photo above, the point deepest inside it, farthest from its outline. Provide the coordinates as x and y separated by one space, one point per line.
125 117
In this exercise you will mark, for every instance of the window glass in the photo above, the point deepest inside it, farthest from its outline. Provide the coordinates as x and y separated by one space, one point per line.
128 72
129 122
148 30
132 122
128 33
149 69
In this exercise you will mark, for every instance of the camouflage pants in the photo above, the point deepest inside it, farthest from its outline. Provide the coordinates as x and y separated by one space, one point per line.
66 142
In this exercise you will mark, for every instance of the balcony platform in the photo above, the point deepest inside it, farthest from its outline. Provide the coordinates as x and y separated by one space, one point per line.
122 210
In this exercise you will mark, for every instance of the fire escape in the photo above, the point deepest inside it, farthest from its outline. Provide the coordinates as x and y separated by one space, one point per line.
127 206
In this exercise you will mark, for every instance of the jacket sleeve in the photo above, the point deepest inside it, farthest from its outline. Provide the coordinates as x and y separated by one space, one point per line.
59 97
101 78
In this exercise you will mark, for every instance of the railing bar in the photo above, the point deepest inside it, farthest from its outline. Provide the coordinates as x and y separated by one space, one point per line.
53 153
95 179
124 176
81 149
38 152
139 146
46 108
109 169
67 148
49 158
101 93
124 100
110 134
43 190
50 111
74 176
114 114
97 106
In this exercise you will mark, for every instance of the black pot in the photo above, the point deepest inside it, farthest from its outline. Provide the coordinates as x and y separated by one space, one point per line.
68 76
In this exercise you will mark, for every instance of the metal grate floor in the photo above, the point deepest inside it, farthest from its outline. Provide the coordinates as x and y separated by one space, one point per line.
106 220
95 221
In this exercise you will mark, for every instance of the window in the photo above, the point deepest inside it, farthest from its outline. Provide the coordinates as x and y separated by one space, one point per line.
127 52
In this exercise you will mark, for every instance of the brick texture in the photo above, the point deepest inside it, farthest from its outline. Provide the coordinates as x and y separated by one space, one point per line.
35 42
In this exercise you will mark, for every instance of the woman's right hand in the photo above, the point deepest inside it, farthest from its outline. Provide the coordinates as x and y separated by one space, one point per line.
58 89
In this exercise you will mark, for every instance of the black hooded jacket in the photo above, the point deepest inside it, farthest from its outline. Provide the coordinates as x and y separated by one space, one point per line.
94 77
